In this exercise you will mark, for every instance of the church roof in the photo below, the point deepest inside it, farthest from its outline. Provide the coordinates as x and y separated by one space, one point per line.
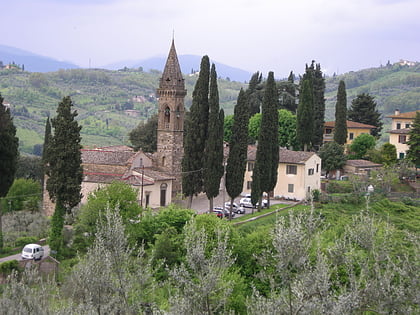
106 157
172 75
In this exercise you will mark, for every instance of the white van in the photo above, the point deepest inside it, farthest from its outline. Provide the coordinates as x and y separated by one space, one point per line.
33 251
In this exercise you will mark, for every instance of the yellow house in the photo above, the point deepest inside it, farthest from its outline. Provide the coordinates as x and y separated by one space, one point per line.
298 172
354 129
400 126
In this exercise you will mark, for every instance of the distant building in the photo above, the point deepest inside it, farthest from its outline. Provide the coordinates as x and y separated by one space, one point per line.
354 129
400 127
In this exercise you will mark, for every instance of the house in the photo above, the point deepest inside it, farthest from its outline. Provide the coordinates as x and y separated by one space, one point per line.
360 167
299 173
400 126
354 129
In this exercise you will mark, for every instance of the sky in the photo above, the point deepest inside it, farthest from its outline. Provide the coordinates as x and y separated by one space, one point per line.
257 35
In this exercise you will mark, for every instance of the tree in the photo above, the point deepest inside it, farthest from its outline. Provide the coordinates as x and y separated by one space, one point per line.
227 128
47 139
363 110
361 145
332 156
319 105
386 155
196 129
64 168
9 145
213 170
24 194
287 128
236 163
144 136
254 93
413 142
30 167
305 121
287 91
267 156
340 130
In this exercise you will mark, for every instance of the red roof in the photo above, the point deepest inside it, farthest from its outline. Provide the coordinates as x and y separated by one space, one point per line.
350 124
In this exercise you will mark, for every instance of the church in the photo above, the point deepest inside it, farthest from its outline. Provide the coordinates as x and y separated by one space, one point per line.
157 176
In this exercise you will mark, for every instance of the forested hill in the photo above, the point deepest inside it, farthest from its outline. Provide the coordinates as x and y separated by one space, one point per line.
111 103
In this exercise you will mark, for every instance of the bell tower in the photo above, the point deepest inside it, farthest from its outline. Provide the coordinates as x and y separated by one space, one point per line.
171 114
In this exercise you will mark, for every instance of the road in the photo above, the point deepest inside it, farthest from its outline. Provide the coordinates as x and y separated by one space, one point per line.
19 257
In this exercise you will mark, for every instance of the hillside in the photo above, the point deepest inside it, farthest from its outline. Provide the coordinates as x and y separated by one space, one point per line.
105 99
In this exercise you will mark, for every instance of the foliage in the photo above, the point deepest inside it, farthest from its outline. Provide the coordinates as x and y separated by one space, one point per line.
363 110
144 136
287 90
238 147
386 155
24 194
196 129
213 151
254 94
332 156
8 266
340 130
305 122
23 240
227 128
360 146
413 142
30 167
287 128
319 104
116 195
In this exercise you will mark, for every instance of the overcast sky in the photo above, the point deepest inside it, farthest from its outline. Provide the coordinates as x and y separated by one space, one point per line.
264 35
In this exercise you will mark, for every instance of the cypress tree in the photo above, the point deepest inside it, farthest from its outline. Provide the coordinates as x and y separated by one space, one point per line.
319 106
363 110
340 130
9 145
253 93
289 94
196 128
267 157
238 148
47 138
413 142
64 167
213 170
304 116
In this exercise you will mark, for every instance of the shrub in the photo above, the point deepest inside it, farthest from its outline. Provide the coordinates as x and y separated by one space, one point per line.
8 266
22 241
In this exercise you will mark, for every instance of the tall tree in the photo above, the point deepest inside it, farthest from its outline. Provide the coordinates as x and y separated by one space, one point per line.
267 156
413 142
196 128
332 156
144 136
363 110
64 168
47 138
238 147
319 106
305 121
288 93
254 93
340 130
9 145
213 170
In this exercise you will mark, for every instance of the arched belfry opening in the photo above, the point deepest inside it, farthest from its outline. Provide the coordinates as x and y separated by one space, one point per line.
167 117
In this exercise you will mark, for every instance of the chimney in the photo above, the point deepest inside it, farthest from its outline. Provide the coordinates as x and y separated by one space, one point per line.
397 112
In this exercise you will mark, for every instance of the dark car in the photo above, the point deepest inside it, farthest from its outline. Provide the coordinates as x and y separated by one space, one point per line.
222 212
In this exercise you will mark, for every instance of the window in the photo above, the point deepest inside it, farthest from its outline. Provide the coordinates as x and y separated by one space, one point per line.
248 184
407 125
290 188
398 125
317 168
250 166
291 169
328 131
309 189
351 135
402 139
402 155
311 171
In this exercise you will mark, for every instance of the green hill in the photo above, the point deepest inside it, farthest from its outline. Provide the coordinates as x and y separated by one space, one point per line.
111 103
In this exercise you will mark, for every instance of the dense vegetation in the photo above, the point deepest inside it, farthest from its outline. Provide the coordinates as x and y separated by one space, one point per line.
101 96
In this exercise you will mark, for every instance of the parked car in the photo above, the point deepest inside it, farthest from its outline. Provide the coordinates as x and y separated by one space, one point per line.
227 205
246 202
223 211
33 251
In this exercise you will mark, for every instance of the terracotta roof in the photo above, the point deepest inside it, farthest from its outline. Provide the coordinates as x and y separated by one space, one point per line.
407 115
155 174
285 156
362 163
104 178
350 124
106 157
404 131
115 148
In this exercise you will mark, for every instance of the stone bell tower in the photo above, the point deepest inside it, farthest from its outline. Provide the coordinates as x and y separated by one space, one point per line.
171 114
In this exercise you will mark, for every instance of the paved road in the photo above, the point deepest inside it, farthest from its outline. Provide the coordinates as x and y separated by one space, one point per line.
19 256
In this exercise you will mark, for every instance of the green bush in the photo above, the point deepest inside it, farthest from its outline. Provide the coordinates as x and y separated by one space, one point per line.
341 187
8 266
22 241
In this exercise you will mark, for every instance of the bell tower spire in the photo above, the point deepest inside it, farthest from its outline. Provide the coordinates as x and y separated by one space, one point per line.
171 112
